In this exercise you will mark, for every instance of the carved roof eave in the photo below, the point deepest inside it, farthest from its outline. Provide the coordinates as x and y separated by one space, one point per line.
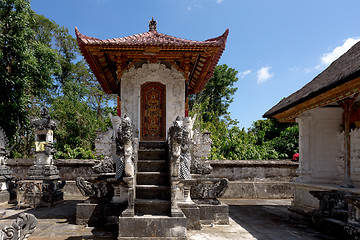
330 85
335 94
109 59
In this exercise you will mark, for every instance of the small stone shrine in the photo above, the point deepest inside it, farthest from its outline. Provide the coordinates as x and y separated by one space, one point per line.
42 186
5 171
152 158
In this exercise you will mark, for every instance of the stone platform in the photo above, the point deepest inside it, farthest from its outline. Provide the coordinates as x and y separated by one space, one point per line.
153 227
249 219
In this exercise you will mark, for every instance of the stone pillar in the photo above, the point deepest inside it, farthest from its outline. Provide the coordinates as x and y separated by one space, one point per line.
355 151
130 210
340 155
304 171
347 104
5 171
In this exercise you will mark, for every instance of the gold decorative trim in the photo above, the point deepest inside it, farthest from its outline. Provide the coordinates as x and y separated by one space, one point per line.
333 95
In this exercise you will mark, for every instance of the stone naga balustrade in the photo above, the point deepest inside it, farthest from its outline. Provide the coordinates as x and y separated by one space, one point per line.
21 229
175 136
121 165
338 213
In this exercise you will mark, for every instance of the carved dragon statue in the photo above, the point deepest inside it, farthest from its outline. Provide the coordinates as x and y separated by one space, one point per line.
123 162
21 229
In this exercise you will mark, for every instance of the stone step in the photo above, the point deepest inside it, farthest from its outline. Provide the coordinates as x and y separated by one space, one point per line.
152 154
152 227
340 214
152 207
152 178
152 166
153 192
153 144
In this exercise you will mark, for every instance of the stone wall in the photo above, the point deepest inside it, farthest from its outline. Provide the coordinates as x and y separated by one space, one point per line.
256 178
321 157
69 170
103 142
248 178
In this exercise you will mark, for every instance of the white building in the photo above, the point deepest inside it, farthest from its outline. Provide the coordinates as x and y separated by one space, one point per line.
327 110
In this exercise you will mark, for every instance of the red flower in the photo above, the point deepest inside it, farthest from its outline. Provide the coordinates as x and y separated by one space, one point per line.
296 157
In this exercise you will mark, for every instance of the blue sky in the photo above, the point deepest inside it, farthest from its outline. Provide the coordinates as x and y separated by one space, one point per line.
277 46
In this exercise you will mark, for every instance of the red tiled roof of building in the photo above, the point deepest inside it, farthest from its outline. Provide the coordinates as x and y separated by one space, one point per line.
197 58
150 38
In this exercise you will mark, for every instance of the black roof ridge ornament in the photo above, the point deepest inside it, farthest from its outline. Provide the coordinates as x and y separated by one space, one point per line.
152 25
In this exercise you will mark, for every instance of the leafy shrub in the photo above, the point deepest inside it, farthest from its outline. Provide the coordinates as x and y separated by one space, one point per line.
76 153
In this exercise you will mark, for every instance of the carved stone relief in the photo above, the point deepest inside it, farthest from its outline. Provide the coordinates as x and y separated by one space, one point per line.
155 72
340 155
355 150
21 229
209 189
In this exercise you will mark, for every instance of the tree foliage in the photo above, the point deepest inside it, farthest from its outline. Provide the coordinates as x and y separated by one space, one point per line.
282 137
26 65
40 66
266 139
217 95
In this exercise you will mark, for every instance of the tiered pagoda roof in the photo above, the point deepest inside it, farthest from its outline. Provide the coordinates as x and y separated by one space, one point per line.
110 58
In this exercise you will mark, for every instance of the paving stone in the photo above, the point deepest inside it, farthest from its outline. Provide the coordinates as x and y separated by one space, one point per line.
249 219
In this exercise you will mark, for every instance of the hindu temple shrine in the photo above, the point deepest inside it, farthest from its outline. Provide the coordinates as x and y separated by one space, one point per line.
153 183
152 74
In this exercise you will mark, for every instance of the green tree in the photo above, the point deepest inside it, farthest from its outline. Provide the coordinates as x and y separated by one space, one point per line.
266 139
77 100
217 95
283 137
26 65
41 66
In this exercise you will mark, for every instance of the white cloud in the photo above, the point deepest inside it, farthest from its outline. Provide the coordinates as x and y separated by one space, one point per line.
189 8
263 75
219 1
328 58
243 74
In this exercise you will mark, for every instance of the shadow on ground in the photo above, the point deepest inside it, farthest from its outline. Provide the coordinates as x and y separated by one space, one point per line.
64 211
274 222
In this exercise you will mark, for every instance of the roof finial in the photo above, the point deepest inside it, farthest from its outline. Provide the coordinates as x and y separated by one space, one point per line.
152 25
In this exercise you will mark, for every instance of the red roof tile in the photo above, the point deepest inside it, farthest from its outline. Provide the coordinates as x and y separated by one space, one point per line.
152 38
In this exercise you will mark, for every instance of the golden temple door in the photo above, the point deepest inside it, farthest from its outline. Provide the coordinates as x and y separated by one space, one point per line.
153 112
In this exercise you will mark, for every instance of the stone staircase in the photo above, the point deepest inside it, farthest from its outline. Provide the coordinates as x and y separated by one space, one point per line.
152 204
152 180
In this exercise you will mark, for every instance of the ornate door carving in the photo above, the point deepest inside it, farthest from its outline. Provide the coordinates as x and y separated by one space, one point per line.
152 111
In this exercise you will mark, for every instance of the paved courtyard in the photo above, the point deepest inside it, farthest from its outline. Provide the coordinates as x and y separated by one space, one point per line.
249 219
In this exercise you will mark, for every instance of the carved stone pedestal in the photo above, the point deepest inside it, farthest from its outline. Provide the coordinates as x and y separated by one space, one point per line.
105 203
100 215
213 212
41 188
192 213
